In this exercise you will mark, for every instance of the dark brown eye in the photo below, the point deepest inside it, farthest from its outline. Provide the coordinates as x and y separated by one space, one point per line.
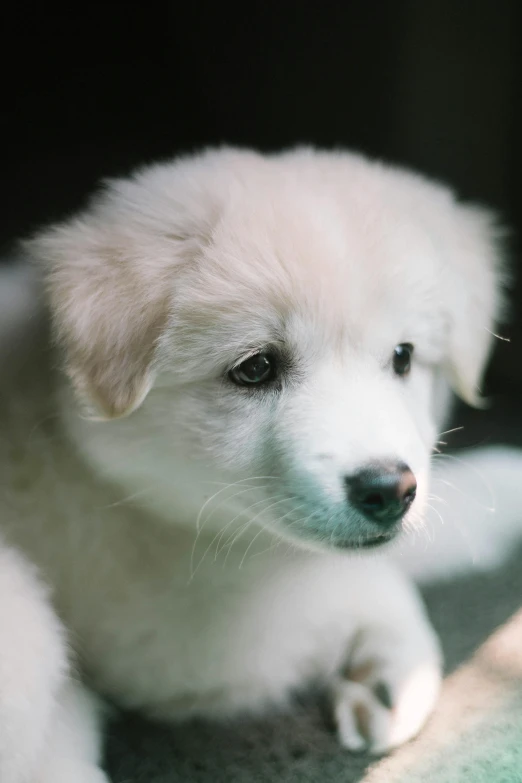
257 369
402 358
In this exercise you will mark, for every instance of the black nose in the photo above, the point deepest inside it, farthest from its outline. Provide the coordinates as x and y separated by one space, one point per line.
382 492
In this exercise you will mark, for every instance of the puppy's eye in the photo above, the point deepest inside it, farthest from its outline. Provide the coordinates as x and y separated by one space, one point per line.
257 369
402 358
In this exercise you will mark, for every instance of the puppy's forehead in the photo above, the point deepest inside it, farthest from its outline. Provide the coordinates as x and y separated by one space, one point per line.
305 256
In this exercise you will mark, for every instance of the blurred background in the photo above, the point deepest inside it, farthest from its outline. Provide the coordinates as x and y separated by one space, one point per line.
91 90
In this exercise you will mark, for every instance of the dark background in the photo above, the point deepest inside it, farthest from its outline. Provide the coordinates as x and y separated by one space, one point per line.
437 85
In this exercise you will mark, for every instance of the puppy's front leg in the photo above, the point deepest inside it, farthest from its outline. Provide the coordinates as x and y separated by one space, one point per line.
392 678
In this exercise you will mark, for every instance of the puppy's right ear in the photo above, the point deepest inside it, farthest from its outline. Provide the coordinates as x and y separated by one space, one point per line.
109 297
474 281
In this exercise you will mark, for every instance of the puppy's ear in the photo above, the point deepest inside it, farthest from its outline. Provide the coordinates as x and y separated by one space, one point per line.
109 298
473 282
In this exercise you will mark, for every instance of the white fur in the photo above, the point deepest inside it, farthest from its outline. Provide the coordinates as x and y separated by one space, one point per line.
190 530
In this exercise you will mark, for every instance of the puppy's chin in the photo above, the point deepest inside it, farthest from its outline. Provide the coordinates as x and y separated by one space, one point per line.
361 542
364 542
369 542
380 538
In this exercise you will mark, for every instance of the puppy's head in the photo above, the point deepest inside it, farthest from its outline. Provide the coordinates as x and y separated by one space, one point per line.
278 323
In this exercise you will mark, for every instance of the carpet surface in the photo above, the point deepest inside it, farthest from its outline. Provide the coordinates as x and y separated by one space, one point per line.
475 734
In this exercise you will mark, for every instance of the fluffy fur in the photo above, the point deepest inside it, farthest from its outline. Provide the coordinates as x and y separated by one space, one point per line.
196 535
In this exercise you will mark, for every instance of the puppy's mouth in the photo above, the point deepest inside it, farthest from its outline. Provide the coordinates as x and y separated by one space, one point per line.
368 542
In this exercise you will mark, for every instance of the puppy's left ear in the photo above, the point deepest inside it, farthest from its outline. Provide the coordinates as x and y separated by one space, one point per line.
473 280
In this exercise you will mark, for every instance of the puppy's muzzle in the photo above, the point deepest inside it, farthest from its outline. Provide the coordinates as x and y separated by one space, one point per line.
382 492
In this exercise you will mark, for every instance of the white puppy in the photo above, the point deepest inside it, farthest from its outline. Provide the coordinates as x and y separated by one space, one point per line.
260 346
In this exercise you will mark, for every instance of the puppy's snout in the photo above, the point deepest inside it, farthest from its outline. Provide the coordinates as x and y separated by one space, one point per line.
382 492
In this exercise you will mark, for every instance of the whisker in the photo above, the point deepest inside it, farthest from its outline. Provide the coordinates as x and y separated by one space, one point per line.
261 530
437 512
468 497
223 502
454 519
278 540
245 527
439 499
477 472
220 533
223 489
264 500
497 336
199 526
242 530
127 498
447 432
302 519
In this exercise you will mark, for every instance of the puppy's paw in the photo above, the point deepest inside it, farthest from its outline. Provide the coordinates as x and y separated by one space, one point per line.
383 706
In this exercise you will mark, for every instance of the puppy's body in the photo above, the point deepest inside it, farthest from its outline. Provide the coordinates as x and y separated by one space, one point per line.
164 625
198 548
